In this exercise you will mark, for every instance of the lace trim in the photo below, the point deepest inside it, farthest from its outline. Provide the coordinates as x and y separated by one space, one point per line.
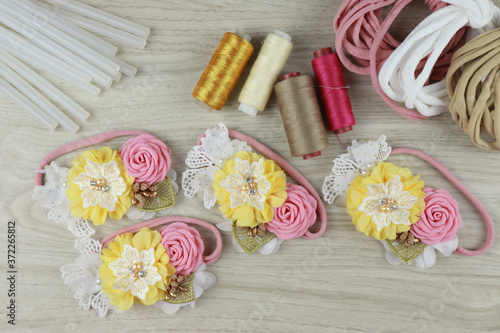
52 197
205 159
82 277
360 157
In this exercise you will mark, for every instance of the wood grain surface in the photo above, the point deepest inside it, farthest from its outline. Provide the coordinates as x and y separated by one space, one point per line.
338 283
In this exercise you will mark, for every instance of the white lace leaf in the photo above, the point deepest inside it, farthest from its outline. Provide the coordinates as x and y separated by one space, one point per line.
205 159
101 303
82 276
360 157
52 196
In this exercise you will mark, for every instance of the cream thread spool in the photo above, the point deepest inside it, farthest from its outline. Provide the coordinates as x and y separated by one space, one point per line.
301 115
265 71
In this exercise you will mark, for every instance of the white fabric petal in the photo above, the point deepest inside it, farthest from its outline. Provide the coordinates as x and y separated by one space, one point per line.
426 259
448 247
225 226
271 247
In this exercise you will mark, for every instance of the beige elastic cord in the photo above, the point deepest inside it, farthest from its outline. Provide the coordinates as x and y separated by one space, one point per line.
474 89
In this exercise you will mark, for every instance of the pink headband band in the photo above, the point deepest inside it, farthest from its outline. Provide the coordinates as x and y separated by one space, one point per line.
449 175
288 169
69 147
207 259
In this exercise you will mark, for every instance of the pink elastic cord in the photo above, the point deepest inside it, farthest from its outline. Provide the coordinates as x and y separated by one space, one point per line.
288 169
447 173
96 139
170 219
361 33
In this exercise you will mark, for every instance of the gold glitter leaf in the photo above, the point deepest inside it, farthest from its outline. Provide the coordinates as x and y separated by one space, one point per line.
406 254
184 296
164 199
250 244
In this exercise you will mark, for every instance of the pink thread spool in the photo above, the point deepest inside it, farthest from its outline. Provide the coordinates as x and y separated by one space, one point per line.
333 91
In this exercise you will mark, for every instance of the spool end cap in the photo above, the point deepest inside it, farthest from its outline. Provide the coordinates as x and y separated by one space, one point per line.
290 75
311 155
323 52
343 130
283 35
243 35
248 109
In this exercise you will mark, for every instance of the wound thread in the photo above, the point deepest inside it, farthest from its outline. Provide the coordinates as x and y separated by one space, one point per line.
265 71
223 70
301 115
333 92
473 86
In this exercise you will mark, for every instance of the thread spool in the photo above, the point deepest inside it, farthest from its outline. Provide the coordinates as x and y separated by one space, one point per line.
301 115
224 70
265 71
333 91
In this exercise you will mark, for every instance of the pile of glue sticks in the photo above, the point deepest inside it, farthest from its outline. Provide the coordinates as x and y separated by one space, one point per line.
56 37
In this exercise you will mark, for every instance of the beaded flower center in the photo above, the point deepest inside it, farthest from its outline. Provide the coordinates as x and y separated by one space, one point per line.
248 184
387 203
101 184
135 271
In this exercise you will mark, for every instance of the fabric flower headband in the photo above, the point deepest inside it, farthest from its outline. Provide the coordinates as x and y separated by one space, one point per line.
392 205
137 264
252 191
136 180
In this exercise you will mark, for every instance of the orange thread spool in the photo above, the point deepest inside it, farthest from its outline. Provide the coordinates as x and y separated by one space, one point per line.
223 70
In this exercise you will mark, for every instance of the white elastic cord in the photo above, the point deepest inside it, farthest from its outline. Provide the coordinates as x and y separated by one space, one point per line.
430 38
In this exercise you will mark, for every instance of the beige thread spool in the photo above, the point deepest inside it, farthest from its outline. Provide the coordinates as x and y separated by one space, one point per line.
265 71
301 115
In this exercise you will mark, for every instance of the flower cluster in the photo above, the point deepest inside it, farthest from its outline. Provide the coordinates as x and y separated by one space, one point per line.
102 182
251 191
391 204
143 267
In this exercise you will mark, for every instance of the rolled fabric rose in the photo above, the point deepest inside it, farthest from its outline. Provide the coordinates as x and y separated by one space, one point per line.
146 158
184 247
440 220
295 216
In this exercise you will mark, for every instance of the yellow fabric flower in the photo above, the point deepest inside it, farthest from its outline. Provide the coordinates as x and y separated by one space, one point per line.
248 187
92 203
386 202
127 252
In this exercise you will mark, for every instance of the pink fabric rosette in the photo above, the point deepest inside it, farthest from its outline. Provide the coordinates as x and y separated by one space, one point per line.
440 220
146 158
184 247
295 216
